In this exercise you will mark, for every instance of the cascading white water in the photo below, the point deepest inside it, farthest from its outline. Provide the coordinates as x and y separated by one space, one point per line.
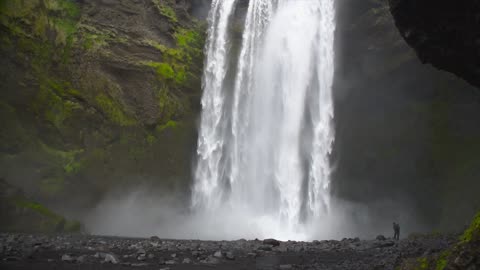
265 139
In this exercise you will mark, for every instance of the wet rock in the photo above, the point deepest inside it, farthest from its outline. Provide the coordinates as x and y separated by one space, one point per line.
187 261
285 267
229 255
265 247
155 238
381 238
384 244
272 242
138 264
142 257
67 258
11 259
81 259
211 260
99 255
151 256
463 260
111 258
174 255
170 262
218 254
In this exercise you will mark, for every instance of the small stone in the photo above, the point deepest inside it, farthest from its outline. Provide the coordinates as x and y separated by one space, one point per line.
229 255
67 258
385 244
265 247
187 261
151 256
81 259
381 238
174 255
218 254
139 264
285 267
142 257
165 268
111 258
170 262
141 251
211 260
99 255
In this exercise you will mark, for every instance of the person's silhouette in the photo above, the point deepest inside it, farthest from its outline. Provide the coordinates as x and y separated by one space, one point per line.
396 231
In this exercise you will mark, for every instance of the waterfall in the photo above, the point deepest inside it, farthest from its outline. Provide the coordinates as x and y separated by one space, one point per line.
265 137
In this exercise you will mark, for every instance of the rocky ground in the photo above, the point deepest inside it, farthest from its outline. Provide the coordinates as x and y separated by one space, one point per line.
27 251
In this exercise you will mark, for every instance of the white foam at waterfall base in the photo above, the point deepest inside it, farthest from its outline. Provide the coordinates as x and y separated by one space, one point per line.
264 145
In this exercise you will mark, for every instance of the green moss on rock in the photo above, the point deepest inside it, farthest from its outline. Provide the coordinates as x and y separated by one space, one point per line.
442 260
114 111
165 10
169 125
472 232
458 256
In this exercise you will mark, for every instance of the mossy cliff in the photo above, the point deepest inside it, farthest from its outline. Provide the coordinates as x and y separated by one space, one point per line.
465 254
20 214
97 95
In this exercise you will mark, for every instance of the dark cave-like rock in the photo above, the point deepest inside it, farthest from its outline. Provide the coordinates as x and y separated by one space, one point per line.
444 33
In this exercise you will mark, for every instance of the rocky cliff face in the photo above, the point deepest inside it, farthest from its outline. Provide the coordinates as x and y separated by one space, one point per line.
97 95
443 33
406 133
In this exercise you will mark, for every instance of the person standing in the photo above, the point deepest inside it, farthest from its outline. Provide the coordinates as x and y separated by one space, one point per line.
396 231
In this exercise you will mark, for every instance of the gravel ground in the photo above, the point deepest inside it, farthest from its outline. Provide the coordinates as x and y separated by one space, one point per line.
27 251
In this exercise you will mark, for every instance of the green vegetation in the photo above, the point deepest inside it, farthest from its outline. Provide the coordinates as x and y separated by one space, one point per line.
64 109
472 232
442 260
40 16
423 264
37 208
166 11
176 69
114 111
169 125
151 139
164 70
48 221
54 108
93 39
467 244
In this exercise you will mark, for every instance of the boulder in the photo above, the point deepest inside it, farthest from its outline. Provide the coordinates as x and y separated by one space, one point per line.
272 242
111 258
